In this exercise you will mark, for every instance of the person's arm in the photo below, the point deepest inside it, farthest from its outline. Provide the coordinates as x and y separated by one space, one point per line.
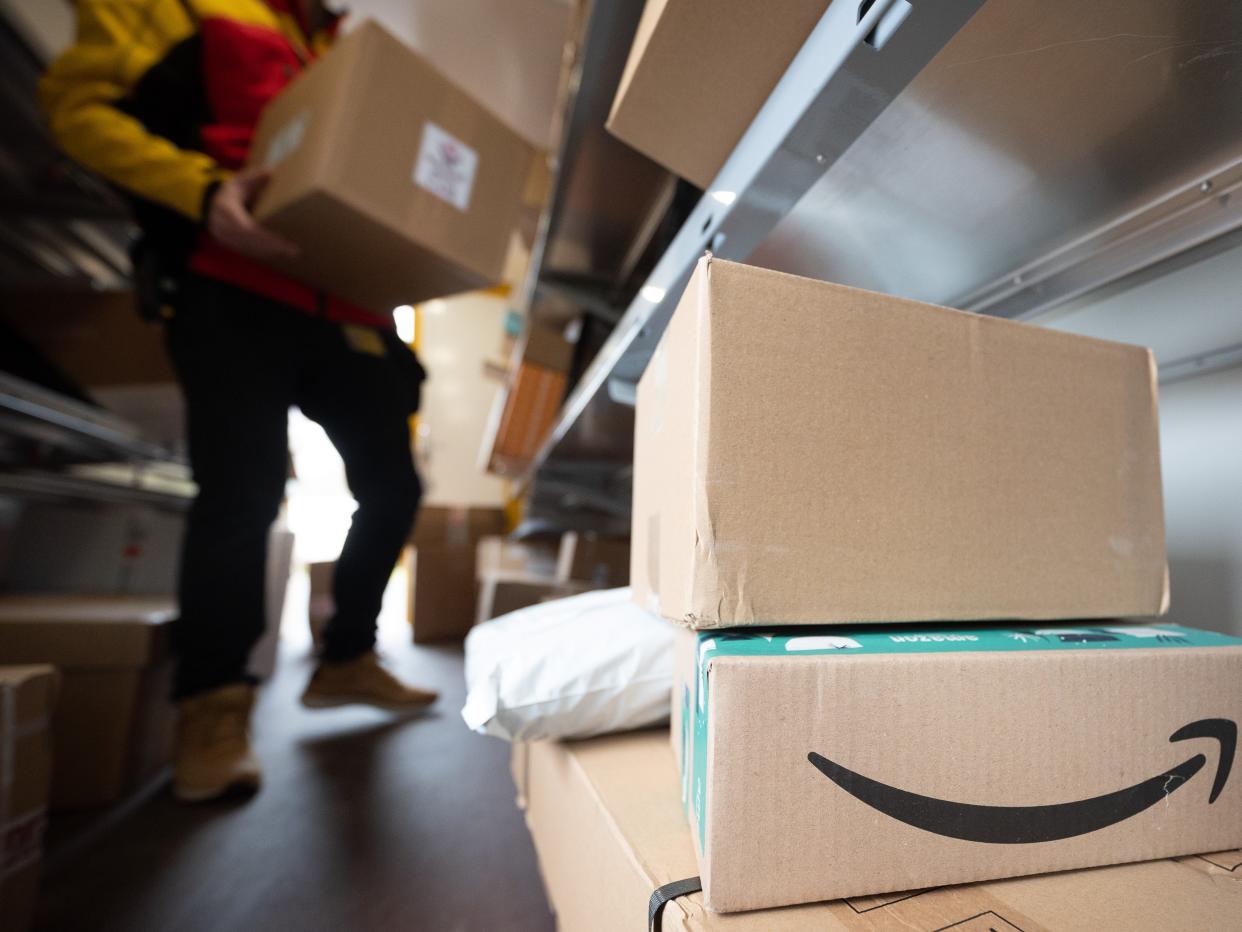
117 41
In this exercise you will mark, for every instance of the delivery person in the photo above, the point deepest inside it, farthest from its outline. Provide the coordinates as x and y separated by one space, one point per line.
161 98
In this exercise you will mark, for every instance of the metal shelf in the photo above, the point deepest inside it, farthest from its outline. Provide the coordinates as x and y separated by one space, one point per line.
77 431
998 157
834 89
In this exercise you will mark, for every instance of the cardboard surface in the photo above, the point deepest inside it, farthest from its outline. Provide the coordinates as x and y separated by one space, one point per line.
927 756
506 592
606 819
601 561
697 74
455 526
547 347
27 698
807 453
114 723
395 183
498 557
442 598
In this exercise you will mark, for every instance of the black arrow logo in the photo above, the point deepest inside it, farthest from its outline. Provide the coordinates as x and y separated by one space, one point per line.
1012 825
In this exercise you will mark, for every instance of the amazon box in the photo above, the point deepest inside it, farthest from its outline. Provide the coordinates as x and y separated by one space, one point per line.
842 762
113 726
395 183
812 454
699 71
604 816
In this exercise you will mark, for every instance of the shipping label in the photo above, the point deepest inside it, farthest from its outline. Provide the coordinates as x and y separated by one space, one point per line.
446 166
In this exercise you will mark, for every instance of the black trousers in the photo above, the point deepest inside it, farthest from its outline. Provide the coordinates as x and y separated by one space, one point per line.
243 361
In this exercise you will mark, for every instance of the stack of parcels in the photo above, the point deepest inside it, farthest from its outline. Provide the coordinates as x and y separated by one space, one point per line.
899 539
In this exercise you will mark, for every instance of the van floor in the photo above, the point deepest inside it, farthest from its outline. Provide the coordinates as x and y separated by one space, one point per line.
365 822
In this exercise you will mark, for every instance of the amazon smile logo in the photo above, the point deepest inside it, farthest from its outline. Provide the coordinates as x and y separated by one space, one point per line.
1016 825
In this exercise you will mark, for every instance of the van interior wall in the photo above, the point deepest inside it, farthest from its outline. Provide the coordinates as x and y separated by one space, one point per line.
1201 454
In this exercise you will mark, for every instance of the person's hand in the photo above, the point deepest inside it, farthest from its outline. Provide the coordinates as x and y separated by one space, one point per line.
230 223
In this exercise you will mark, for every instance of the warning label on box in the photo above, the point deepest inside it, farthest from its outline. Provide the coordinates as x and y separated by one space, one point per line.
446 166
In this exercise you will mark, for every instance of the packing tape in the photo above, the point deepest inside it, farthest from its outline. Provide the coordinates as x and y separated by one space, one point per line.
661 896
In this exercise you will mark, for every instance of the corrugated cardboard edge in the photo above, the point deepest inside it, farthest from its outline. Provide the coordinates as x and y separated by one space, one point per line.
705 586
1153 371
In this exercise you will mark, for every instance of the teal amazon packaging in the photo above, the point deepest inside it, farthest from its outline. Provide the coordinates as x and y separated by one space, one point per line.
839 762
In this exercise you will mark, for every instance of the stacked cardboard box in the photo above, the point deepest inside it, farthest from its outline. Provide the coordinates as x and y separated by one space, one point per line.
441 567
113 726
27 698
375 142
815 456
605 816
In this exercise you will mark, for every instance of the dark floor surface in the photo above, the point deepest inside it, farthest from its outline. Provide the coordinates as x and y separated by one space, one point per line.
365 822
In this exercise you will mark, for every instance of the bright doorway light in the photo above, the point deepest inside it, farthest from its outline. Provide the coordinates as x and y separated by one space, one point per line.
403 317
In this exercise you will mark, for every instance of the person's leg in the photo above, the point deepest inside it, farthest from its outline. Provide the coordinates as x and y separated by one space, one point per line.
362 400
237 378
363 392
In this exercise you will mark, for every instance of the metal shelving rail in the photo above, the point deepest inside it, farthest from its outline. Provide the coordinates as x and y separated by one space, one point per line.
848 71
1052 152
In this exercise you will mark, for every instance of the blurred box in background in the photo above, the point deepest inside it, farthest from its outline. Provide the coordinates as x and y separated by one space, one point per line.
27 699
441 566
697 74
114 721
396 184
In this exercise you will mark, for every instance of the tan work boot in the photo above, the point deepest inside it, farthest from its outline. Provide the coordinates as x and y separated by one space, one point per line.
213 756
362 682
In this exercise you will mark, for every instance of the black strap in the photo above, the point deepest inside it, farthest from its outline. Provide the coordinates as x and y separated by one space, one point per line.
662 895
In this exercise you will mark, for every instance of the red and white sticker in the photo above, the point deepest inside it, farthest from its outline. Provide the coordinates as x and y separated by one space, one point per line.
446 166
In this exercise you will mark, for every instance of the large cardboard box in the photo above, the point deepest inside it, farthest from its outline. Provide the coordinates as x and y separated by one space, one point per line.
441 567
396 184
442 593
456 525
606 821
602 561
698 72
27 697
114 722
847 762
807 453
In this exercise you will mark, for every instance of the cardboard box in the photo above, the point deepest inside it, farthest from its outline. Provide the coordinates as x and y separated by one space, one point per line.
698 73
504 593
606 822
441 566
499 556
602 561
846 762
442 593
807 453
27 698
114 723
396 184
456 526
